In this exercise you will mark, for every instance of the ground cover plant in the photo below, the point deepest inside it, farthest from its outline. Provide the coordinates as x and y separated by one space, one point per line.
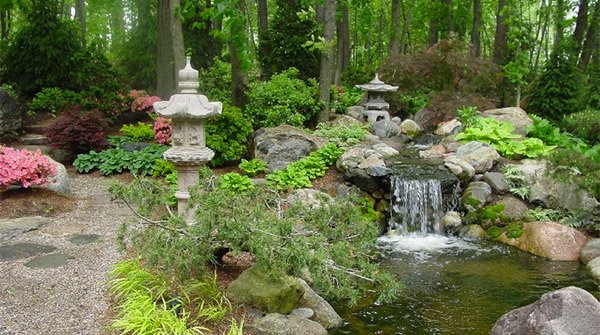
117 160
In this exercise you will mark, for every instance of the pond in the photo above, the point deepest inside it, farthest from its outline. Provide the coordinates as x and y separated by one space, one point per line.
455 286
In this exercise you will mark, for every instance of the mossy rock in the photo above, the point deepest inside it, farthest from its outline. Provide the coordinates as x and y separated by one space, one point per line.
272 294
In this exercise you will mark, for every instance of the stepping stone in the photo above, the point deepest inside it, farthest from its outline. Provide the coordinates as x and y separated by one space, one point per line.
10 228
82 239
23 250
51 261
62 229
34 139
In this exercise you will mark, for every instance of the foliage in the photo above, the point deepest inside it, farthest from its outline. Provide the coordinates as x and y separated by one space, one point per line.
342 98
163 130
299 173
284 99
117 160
162 168
235 182
78 132
547 132
215 82
559 90
500 135
24 168
584 125
516 180
341 134
544 214
486 216
589 220
283 46
142 102
468 115
575 168
331 242
253 167
141 132
227 134
52 99
148 303
407 104
356 74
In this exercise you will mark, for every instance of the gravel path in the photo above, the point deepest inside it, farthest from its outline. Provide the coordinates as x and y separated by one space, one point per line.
71 298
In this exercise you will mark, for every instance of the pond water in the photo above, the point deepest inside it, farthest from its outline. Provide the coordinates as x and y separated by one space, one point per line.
455 286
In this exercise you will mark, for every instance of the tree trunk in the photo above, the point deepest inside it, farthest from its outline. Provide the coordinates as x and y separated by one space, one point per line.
176 37
263 15
591 39
501 38
580 25
380 29
396 29
117 23
239 79
327 56
559 21
448 19
343 43
433 34
476 32
405 32
80 16
3 24
165 76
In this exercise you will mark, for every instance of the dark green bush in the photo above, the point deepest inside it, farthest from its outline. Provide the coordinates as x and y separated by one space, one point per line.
52 100
574 167
284 99
585 125
357 74
227 134
215 82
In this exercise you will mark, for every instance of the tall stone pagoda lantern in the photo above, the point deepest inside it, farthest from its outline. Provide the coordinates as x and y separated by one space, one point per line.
376 107
188 151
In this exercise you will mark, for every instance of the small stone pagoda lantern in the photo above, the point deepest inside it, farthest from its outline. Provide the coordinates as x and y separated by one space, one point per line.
376 107
188 151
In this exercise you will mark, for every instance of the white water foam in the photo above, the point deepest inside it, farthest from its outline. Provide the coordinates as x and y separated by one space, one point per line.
424 246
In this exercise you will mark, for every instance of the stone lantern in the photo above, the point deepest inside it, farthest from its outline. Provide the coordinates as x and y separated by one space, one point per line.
376 107
187 111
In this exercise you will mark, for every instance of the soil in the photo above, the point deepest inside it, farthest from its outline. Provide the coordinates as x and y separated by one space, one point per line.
33 202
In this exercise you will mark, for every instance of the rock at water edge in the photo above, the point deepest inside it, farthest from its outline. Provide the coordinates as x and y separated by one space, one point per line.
278 324
324 313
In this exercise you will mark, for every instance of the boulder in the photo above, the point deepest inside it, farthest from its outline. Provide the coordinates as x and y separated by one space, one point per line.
447 128
590 251
410 128
479 191
268 293
514 208
34 139
60 182
452 221
356 112
568 311
497 181
303 312
513 115
473 231
482 157
549 239
278 324
460 168
283 145
345 120
385 128
450 144
397 120
551 193
10 115
594 268
436 151
384 150
324 313
309 197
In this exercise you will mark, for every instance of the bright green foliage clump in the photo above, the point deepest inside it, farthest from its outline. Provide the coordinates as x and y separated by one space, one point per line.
253 167
299 173
284 99
547 132
141 132
516 180
227 135
468 115
500 135
332 243
487 216
51 99
342 135
148 303
162 168
342 98
235 182
560 89
117 160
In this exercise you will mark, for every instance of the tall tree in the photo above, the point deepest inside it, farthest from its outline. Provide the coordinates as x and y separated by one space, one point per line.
591 39
405 41
476 31
81 18
170 53
343 40
237 41
499 55
396 28
559 22
263 15
327 59
580 24
176 36
433 34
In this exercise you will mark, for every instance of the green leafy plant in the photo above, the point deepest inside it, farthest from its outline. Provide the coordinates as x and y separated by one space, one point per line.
342 98
117 160
516 180
142 132
292 177
468 115
544 214
547 132
514 229
162 168
253 167
487 216
584 125
227 134
235 182
494 232
51 100
341 134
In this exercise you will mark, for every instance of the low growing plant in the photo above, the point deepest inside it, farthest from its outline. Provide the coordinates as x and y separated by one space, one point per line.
24 168
142 132
117 160
342 135
253 167
235 182
516 180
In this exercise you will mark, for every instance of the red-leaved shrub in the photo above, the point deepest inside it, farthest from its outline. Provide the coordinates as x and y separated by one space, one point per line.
24 168
163 130
142 102
77 132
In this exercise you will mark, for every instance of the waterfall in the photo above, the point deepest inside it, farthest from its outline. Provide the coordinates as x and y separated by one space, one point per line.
418 205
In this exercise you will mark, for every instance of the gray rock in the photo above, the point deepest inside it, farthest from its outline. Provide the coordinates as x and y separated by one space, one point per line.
134 146
397 120
374 115
324 313
10 115
60 183
452 221
309 197
447 128
356 112
460 168
51 261
514 208
436 151
497 181
385 128
23 250
568 311
10 228
480 191
482 157
473 231
384 150
551 193
283 145
345 120
278 324
34 139
594 268
410 128
513 115
303 312
82 239
590 251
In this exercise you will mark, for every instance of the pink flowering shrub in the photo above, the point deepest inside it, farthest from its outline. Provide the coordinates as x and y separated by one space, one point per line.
24 168
163 130
142 102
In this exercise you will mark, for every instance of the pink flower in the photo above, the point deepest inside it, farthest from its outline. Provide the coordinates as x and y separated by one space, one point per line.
163 130
24 168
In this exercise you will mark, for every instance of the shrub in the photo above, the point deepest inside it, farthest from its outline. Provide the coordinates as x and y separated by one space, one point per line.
77 132
227 134
24 168
547 132
215 82
342 135
585 125
284 99
342 98
253 167
356 74
141 132
52 100
574 167
142 102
